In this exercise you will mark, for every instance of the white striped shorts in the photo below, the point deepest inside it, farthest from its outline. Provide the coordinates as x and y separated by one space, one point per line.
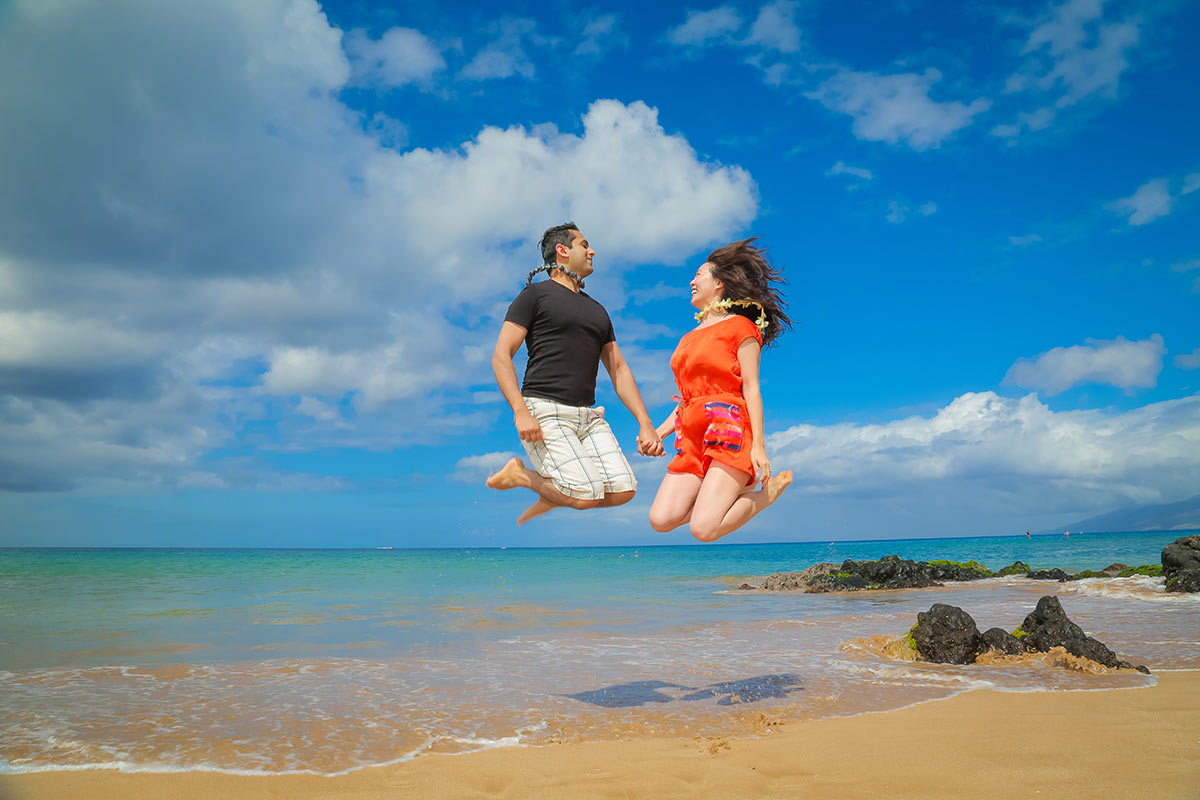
579 454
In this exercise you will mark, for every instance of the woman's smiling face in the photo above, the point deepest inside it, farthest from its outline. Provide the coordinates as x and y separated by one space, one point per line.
705 288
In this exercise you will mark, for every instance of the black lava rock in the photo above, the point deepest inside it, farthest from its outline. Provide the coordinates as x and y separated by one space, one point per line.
1185 580
1055 574
1048 626
1181 564
947 635
1002 640
1016 568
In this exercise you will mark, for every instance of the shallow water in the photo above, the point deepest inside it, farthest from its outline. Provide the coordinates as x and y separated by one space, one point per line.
330 660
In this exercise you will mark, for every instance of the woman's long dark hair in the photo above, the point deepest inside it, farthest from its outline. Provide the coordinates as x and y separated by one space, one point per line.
747 275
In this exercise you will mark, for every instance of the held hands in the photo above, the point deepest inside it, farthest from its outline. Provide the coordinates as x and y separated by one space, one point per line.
527 427
648 442
762 465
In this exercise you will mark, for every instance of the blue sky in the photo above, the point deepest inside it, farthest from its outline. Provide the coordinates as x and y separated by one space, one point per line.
253 257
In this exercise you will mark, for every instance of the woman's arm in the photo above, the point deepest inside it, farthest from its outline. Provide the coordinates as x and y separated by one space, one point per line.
748 354
668 426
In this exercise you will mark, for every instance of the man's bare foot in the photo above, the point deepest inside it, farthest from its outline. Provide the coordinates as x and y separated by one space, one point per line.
535 510
777 484
510 476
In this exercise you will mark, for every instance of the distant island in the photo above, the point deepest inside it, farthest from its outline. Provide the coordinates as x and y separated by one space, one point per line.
1180 516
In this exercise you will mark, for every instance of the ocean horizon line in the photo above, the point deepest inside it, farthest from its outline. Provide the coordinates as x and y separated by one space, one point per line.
1181 531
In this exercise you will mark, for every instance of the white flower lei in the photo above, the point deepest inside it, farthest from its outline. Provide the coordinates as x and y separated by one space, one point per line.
762 322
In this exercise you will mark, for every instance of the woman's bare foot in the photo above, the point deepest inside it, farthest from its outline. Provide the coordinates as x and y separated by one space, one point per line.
510 476
535 510
777 485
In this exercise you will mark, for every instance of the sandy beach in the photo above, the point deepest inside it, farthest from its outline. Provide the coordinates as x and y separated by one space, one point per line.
982 744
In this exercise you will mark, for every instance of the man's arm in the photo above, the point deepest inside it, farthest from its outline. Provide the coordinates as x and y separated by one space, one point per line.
507 345
649 442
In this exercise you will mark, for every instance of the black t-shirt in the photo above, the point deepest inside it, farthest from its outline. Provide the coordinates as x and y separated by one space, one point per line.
566 332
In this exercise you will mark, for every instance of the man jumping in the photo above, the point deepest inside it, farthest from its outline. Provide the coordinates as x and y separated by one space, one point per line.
577 461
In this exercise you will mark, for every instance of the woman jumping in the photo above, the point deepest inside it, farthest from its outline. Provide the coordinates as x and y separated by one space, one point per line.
718 422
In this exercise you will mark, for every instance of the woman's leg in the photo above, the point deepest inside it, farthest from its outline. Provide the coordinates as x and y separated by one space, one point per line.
672 505
721 505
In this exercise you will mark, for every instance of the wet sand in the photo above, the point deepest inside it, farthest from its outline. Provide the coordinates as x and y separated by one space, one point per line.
982 744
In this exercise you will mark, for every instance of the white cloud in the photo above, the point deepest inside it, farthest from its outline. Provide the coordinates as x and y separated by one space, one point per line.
1188 361
600 35
1072 55
775 28
1191 183
275 245
476 468
505 56
703 28
1186 266
898 211
841 168
1117 362
896 108
1151 201
1013 455
1022 241
399 57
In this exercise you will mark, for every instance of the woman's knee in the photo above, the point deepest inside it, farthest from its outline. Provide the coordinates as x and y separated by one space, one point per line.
663 522
705 531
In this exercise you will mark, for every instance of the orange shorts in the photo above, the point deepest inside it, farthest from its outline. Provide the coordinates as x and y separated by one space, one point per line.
712 428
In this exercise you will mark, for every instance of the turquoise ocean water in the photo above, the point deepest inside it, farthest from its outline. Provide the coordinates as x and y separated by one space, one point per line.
329 660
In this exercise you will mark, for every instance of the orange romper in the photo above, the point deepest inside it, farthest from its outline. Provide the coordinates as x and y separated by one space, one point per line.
712 421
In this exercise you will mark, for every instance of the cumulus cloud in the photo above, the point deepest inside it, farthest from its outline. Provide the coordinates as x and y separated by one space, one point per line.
1117 362
399 57
1151 200
897 108
1188 361
1191 183
275 262
703 28
1013 455
775 27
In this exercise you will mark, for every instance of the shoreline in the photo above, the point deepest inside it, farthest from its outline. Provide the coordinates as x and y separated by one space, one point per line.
984 743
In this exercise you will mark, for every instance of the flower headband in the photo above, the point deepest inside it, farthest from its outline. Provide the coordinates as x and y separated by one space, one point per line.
762 322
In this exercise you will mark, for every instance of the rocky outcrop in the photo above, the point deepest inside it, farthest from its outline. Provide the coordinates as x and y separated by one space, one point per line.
948 635
1116 566
1015 568
1002 640
790 581
1048 626
1049 575
1181 564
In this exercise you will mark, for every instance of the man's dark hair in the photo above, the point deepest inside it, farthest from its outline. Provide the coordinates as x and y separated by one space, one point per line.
559 234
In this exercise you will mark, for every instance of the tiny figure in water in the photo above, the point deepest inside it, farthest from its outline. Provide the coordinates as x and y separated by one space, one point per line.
576 458
718 422
1027 536
1067 534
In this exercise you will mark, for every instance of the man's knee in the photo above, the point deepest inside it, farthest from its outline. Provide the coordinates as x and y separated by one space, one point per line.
619 498
581 504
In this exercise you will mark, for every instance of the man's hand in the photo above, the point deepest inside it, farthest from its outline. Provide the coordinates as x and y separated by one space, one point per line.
648 441
527 427
762 465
